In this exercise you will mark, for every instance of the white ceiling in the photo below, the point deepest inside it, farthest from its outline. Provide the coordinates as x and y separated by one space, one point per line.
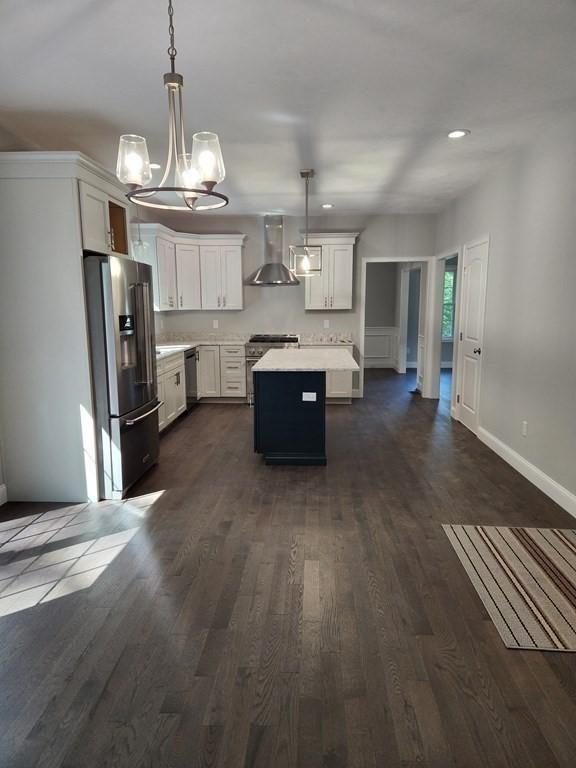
364 91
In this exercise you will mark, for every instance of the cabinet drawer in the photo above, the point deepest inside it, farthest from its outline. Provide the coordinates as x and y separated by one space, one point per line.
232 351
232 371
233 389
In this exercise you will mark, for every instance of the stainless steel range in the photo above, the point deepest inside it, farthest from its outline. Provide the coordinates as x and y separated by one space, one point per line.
258 345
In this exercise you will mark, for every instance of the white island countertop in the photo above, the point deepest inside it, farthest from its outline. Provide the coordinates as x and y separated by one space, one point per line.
326 359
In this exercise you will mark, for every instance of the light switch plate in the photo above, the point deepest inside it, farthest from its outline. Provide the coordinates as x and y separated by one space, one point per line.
326 323
214 323
309 397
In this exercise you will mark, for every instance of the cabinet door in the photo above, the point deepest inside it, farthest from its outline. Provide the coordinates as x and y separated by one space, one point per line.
95 219
210 277
162 398
166 258
339 384
180 391
118 219
231 277
208 371
317 287
341 276
170 395
188 276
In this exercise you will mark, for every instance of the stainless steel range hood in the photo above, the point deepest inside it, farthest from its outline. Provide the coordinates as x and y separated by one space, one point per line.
273 271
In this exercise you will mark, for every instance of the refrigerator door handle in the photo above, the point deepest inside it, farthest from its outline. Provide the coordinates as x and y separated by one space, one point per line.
131 422
142 297
147 333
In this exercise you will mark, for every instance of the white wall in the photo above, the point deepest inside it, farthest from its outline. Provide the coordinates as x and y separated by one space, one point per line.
45 392
281 309
528 207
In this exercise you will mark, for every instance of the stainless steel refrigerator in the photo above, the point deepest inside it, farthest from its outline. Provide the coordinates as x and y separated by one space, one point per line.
123 358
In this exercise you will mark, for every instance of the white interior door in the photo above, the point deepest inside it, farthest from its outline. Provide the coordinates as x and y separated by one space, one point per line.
474 275
188 276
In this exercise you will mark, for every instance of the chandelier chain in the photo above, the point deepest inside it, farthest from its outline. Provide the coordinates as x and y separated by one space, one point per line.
172 49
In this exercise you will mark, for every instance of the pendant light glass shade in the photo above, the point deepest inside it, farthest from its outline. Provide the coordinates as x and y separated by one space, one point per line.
133 163
207 158
305 261
187 176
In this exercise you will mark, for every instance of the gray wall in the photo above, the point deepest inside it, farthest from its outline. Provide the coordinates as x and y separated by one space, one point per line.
529 361
413 316
282 309
380 295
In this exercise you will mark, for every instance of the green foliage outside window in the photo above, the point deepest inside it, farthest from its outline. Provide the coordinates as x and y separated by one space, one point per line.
448 305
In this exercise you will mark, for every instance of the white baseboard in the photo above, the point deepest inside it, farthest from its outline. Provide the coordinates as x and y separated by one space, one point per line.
442 365
562 496
3 494
379 362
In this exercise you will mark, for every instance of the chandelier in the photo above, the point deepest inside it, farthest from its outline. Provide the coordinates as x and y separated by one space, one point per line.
305 261
194 173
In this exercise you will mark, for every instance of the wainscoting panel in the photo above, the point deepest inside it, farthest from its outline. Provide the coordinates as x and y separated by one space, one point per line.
380 347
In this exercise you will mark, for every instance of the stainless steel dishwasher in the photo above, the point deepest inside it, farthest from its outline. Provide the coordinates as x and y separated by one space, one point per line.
191 365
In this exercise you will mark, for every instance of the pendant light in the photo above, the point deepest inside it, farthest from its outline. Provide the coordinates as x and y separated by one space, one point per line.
194 173
306 261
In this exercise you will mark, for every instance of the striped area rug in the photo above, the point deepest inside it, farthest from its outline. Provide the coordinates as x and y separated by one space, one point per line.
526 578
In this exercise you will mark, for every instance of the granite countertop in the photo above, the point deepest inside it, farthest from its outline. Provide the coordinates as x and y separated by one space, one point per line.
307 360
166 349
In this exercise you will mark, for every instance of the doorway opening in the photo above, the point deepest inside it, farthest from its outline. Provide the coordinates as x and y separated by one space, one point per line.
394 318
448 329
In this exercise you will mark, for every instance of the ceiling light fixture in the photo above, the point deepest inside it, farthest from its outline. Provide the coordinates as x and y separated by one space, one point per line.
196 173
327 206
459 133
306 261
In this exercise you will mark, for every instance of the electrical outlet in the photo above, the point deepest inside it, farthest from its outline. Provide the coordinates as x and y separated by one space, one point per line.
214 323
524 429
326 323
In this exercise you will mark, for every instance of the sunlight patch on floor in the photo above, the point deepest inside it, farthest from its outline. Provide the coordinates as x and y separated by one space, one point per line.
53 573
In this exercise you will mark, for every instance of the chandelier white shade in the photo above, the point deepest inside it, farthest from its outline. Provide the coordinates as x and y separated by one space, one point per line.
194 174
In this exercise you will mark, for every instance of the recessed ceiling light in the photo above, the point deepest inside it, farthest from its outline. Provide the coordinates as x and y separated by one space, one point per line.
459 133
327 205
155 166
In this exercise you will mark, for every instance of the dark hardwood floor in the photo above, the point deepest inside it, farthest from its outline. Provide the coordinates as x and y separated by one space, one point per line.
232 614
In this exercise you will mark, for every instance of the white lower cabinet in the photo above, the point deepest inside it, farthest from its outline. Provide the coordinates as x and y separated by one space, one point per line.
171 389
232 370
338 383
208 370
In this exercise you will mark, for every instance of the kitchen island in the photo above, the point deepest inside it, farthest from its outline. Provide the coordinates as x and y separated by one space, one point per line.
290 403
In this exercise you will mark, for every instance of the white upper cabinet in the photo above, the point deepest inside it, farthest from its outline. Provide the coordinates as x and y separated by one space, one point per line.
221 276
104 227
231 277
192 272
210 276
166 258
333 288
341 276
188 276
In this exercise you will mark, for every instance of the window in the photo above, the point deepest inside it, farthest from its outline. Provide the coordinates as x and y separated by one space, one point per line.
448 305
